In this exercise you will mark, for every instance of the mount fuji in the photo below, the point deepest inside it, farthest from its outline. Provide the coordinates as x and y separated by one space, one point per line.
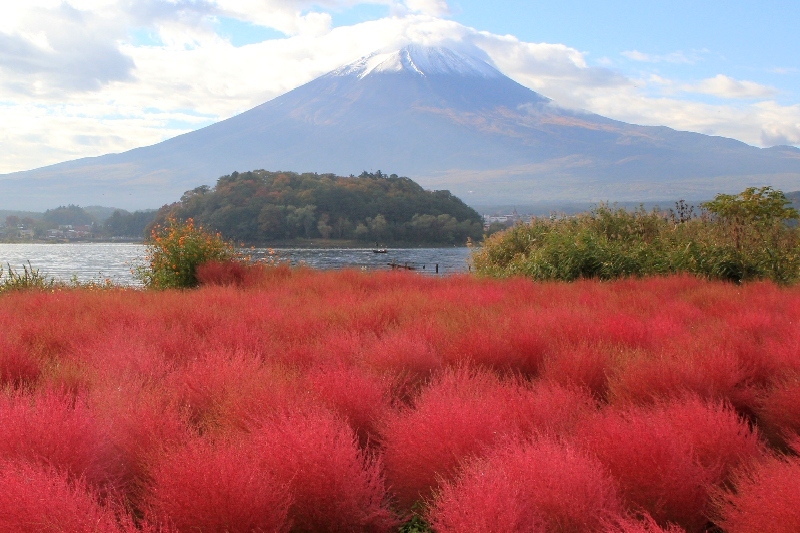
446 119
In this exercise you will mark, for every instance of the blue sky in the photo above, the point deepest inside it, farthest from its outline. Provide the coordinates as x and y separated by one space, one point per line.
86 77
743 39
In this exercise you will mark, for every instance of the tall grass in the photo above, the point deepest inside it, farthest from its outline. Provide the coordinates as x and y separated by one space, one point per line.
29 278
609 243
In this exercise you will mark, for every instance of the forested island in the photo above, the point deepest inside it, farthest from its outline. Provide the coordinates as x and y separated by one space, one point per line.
262 207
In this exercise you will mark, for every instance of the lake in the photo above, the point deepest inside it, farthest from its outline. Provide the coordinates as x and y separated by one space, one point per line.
98 261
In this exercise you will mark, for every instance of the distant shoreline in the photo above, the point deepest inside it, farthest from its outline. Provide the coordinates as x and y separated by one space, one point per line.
298 243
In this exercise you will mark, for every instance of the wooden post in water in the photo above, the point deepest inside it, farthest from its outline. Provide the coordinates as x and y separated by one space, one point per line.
437 268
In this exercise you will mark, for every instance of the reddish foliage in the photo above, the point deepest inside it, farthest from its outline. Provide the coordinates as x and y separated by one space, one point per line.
490 347
218 488
145 426
623 329
721 441
459 416
219 392
765 497
645 525
406 357
230 273
141 374
667 458
334 486
36 499
528 487
362 399
713 374
654 467
58 431
583 365
18 367
779 411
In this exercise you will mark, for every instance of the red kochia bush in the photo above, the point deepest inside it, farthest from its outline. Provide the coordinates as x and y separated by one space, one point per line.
580 364
721 441
216 488
17 365
36 499
221 392
230 273
459 416
145 425
766 497
645 525
404 353
710 373
667 457
539 486
779 410
334 486
139 374
361 398
653 465
58 431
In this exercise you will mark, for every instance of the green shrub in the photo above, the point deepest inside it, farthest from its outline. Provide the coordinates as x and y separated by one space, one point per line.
738 238
175 249
29 279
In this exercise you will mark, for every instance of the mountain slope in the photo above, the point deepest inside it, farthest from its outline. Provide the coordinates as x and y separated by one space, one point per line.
445 119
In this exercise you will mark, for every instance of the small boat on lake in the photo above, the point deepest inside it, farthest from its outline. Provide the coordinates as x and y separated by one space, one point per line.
379 250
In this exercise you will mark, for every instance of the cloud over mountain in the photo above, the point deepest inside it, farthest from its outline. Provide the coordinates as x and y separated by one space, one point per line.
446 118
87 77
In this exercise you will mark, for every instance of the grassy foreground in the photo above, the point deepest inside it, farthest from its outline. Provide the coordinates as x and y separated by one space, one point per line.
344 401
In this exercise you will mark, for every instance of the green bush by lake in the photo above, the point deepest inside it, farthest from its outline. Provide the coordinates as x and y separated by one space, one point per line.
735 237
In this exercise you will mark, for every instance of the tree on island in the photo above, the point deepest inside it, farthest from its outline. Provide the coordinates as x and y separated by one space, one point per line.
263 207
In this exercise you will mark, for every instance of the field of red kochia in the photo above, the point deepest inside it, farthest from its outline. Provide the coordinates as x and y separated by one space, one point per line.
344 401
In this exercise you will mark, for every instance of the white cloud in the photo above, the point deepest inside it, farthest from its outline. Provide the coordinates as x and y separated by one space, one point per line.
678 57
779 124
288 17
436 8
60 49
49 134
726 87
782 70
73 83
554 70
759 124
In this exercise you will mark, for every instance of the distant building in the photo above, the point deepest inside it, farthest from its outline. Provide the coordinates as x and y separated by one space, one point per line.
508 219
67 231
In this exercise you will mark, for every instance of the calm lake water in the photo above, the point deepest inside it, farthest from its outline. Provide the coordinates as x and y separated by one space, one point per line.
98 261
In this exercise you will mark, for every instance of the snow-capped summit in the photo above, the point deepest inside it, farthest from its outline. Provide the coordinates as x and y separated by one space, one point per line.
420 60
444 117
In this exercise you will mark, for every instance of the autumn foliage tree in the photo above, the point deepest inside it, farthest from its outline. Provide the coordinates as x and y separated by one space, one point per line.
175 250
261 207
